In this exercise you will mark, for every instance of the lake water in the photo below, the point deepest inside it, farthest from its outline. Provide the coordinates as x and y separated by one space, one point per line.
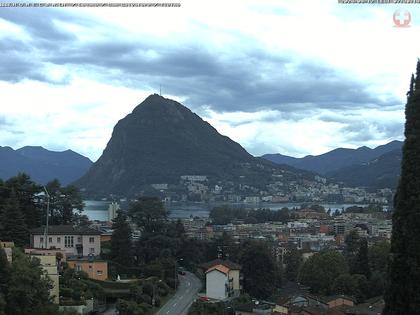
98 210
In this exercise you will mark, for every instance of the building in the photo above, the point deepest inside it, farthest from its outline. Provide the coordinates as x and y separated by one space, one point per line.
96 269
80 241
222 279
8 248
49 265
113 208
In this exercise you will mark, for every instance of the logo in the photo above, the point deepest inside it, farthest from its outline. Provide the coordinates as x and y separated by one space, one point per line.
402 18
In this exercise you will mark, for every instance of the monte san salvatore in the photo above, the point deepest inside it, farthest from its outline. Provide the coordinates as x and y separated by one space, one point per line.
162 142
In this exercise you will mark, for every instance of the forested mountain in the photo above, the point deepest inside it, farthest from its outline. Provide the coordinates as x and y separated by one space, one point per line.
43 165
162 140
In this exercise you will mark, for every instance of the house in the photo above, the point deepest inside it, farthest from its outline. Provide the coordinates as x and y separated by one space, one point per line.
95 268
49 266
8 248
222 279
80 241
255 308
372 306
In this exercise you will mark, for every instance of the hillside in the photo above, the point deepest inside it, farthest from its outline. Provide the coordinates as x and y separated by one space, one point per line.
382 172
162 140
335 159
43 165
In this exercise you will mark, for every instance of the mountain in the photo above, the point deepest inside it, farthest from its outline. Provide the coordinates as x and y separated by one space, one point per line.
382 172
162 140
335 159
43 165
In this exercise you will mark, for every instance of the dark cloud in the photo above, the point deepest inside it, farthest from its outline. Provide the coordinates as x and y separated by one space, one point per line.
249 80
226 80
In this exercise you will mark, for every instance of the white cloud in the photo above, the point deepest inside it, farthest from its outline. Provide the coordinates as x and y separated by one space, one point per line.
79 105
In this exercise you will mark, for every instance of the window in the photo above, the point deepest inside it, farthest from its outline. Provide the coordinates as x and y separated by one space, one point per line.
78 268
99 272
58 240
90 266
79 239
91 240
68 241
50 239
41 240
91 250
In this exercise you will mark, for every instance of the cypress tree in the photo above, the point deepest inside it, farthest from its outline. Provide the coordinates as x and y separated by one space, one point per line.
121 249
403 292
362 260
12 223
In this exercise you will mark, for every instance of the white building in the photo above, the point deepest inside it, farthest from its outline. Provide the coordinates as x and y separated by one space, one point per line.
73 241
222 279
112 210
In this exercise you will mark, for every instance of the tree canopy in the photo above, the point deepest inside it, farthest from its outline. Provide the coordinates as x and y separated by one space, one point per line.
403 293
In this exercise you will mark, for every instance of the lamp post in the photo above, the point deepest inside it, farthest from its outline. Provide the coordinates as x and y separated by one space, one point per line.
48 213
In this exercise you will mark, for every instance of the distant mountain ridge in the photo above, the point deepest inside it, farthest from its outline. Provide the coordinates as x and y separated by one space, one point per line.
382 172
335 159
374 168
162 140
43 165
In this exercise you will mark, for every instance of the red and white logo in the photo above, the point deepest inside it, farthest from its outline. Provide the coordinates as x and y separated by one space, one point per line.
402 18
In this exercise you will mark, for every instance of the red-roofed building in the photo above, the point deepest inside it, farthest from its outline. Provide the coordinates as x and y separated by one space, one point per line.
222 279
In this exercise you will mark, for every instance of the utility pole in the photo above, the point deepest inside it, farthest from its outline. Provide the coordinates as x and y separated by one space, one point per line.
48 212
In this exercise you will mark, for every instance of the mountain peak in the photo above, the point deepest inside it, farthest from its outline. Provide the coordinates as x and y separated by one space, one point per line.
160 141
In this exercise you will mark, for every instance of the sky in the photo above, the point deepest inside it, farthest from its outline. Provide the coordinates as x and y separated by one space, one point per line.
293 77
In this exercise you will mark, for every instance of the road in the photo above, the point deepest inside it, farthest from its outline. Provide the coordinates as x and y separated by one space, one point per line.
187 291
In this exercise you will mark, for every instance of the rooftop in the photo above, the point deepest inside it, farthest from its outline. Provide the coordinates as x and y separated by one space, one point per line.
65 229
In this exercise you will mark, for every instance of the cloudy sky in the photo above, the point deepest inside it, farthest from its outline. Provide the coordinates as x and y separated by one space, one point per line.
295 77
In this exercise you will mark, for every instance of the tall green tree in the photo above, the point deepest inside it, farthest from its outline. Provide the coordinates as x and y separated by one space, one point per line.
12 224
63 201
261 276
320 271
121 242
293 260
403 294
149 213
361 262
25 190
28 288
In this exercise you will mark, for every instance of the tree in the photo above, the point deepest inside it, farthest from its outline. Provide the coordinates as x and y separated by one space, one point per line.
4 272
149 213
24 190
28 289
259 270
293 261
353 285
378 256
12 226
361 262
403 294
321 269
121 247
63 201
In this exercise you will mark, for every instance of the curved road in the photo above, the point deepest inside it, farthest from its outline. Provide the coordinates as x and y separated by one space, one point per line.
187 291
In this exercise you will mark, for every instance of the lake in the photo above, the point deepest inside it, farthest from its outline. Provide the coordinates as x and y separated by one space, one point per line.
98 210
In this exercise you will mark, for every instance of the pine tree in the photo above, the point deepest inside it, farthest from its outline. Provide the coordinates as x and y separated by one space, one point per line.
403 293
121 249
12 226
361 264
